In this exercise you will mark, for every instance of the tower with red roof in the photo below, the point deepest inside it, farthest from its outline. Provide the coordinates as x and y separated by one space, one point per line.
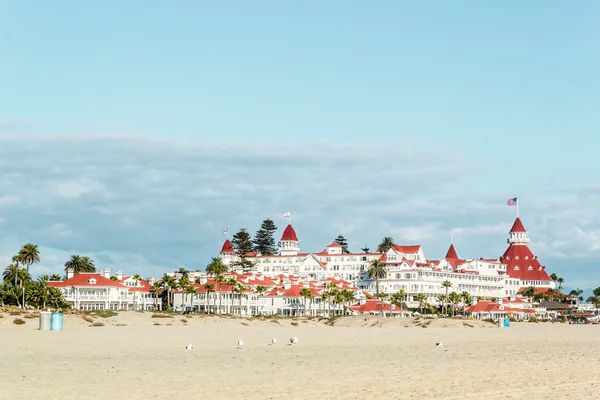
227 251
451 254
520 262
289 245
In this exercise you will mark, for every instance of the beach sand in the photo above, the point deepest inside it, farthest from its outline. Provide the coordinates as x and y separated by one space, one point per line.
358 358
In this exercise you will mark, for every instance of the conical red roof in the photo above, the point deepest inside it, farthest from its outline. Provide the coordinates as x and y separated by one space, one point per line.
517 226
452 252
289 234
227 248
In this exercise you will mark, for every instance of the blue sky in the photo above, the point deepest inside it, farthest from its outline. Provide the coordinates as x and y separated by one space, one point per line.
140 131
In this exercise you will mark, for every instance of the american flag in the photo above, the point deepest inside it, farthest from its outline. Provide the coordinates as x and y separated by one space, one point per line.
511 202
225 231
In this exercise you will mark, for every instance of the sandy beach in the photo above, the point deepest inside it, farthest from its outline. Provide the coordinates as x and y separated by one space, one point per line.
357 358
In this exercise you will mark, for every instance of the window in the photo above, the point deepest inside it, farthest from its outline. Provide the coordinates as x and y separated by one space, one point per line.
516 268
517 257
529 268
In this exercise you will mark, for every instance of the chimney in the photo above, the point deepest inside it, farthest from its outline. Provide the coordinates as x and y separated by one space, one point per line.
107 273
69 273
287 285
119 275
151 280
473 301
202 279
362 300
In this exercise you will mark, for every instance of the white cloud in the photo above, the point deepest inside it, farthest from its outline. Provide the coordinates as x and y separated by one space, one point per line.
148 205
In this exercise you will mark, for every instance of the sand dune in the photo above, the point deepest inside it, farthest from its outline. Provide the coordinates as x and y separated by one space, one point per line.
354 359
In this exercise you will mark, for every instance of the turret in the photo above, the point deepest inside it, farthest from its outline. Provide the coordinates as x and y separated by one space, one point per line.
289 245
518 234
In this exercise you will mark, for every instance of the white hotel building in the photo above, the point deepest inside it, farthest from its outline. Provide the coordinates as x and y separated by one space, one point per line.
408 268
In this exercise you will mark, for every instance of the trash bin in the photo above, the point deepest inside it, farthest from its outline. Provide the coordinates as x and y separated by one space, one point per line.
45 317
56 321
500 322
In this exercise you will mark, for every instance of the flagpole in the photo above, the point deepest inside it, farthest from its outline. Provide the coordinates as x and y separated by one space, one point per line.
517 207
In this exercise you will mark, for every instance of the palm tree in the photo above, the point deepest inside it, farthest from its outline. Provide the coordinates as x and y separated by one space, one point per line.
305 293
554 278
466 299
169 284
382 297
29 254
261 289
217 269
398 298
183 283
239 289
386 244
54 277
365 249
325 297
156 286
421 299
191 290
209 288
376 271
446 284
233 282
80 264
11 273
454 300
332 291
595 300
560 282
577 293
528 292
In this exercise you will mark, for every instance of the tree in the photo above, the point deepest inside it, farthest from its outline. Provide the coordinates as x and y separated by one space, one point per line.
466 299
560 282
156 286
264 239
260 290
242 243
232 282
217 269
169 284
209 288
528 292
341 240
377 271
29 254
398 299
382 297
136 278
447 285
386 244
577 293
365 249
421 299
80 264
305 293
454 300
54 277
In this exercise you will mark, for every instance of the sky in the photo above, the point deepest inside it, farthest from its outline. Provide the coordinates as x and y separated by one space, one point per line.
135 132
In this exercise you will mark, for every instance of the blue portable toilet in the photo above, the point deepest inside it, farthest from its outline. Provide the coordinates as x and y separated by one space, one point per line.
506 322
56 321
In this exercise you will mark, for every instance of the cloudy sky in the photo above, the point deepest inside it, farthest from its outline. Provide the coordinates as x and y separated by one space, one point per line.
137 136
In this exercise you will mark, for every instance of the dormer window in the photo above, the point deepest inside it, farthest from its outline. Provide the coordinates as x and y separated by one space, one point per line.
92 281
516 268
530 268
508 257
517 257
527 257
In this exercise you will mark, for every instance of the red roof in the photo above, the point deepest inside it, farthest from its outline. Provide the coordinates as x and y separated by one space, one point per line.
83 279
334 244
491 307
289 234
521 263
374 305
227 248
407 249
451 252
517 226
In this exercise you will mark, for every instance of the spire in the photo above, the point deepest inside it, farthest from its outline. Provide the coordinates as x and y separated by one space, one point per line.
289 234
452 253
518 234
289 243
517 226
227 248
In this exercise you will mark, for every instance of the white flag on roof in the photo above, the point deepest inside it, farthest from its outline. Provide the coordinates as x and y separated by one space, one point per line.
287 215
